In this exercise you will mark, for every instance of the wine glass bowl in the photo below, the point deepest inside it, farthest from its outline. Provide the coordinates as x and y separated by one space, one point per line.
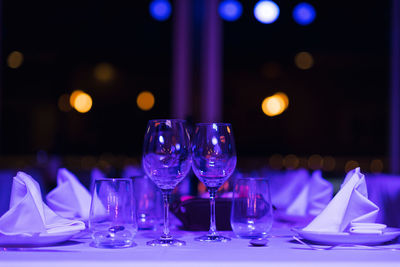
213 162
214 171
166 160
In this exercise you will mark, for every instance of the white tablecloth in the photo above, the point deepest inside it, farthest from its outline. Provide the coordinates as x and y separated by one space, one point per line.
281 251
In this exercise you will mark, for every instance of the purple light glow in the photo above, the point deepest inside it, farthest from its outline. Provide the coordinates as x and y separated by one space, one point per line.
230 10
266 12
304 13
160 9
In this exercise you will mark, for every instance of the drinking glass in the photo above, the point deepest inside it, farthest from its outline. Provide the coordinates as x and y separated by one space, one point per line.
251 215
166 160
112 219
148 203
214 160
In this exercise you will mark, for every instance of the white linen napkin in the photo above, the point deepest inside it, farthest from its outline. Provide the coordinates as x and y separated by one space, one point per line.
70 199
28 215
299 194
350 210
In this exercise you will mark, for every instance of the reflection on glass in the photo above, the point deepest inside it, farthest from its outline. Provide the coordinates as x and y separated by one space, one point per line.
214 160
112 219
166 165
251 215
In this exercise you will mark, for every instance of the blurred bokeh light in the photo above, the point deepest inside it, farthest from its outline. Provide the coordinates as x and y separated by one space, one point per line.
81 101
350 165
88 162
104 72
73 96
230 10
114 51
304 13
160 9
15 59
63 103
276 161
284 98
376 166
266 11
275 105
315 162
304 60
145 100
291 162
329 163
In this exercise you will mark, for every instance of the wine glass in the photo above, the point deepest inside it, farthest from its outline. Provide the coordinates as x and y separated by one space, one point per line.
214 160
166 160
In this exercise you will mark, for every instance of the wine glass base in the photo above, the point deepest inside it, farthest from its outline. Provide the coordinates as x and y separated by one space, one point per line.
212 238
170 242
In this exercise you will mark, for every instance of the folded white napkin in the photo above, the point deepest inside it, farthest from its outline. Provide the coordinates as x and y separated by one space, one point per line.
298 194
28 215
70 199
350 210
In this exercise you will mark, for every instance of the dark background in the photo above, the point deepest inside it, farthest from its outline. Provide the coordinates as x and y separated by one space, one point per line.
339 107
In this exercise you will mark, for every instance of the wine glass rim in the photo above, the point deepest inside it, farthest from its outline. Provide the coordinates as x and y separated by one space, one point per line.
113 179
165 120
252 178
212 123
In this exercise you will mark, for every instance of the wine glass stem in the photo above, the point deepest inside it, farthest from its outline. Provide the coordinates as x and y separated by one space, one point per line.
166 195
213 227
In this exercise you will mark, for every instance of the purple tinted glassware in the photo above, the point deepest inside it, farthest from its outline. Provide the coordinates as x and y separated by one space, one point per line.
213 162
166 160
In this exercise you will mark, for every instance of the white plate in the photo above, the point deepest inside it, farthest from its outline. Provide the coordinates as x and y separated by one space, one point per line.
347 238
37 239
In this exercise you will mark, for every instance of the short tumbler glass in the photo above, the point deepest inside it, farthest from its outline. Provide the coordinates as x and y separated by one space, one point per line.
251 215
112 219
148 203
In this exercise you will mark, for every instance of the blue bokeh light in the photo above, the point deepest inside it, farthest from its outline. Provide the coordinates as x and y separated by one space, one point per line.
230 10
304 13
160 9
266 11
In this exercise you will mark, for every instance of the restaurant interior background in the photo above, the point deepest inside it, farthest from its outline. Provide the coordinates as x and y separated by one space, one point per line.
334 70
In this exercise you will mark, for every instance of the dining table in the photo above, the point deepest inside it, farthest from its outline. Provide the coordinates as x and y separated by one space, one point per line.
282 249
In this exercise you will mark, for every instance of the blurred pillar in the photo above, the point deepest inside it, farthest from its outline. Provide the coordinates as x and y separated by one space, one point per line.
1 69
181 81
211 90
394 144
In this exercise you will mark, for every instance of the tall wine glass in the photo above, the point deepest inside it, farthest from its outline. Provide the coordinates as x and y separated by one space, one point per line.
166 160
214 160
